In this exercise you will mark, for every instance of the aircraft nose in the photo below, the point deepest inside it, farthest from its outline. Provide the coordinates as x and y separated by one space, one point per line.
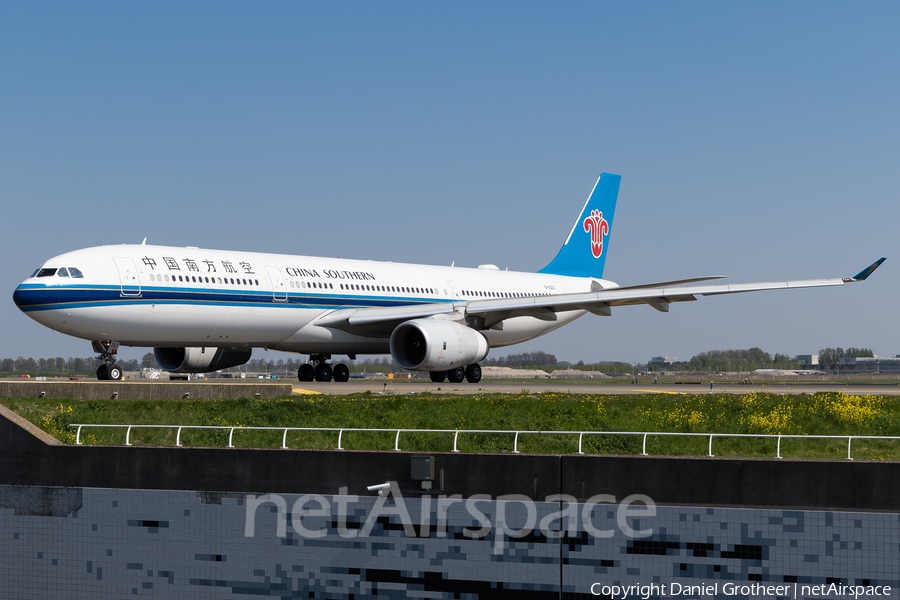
22 298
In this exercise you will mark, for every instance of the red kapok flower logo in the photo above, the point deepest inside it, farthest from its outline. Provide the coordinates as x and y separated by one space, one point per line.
597 226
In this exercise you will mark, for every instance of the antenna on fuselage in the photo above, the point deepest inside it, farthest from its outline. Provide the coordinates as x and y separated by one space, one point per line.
144 243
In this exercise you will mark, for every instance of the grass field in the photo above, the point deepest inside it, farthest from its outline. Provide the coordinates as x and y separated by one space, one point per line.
820 414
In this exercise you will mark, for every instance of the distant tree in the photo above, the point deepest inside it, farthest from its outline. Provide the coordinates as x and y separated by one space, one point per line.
832 356
525 360
9 364
717 361
148 361
60 364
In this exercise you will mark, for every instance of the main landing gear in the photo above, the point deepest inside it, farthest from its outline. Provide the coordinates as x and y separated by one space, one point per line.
320 370
471 373
109 370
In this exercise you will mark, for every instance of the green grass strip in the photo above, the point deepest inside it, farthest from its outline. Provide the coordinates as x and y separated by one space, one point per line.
753 413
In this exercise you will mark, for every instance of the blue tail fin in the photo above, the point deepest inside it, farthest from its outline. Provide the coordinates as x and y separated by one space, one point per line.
584 252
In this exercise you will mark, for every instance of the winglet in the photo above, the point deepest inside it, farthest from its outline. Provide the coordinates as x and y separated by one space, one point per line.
862 275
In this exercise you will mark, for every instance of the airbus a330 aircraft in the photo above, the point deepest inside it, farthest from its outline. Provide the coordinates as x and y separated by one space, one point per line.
204 310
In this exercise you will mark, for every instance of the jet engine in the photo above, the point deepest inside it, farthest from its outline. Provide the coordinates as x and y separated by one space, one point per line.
432 345
200 360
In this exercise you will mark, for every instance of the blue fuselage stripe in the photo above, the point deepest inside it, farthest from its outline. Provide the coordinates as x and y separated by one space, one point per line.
30 298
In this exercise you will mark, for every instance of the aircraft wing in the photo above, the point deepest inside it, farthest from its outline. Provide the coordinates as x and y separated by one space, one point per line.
492 312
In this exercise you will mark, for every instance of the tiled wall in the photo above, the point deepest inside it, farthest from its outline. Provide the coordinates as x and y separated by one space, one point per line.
124 543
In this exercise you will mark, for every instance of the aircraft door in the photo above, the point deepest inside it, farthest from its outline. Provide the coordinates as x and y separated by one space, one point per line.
279 288
453 293
128 276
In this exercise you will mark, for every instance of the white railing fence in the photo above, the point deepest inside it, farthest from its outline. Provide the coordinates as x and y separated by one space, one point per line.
456 432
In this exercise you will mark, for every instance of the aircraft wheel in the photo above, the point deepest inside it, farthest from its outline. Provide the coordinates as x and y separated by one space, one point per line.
306 372
438 376
456 375
323 372
114 372
101 372
473 373
341 373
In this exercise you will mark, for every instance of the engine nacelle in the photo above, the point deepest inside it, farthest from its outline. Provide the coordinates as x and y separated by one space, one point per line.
432 345
200 360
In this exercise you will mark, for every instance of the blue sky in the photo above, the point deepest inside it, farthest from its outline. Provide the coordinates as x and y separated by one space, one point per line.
758 140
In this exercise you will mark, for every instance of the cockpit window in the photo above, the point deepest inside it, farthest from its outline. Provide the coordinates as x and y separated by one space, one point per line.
75 272
46 273
64 272
36 271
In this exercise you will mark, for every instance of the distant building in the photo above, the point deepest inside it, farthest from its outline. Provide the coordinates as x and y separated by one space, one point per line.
871 364
663 360
807 360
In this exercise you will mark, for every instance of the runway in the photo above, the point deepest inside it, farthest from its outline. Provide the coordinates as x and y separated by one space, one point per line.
561 386
224 388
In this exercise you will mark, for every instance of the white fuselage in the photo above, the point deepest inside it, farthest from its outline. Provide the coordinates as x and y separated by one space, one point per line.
140 295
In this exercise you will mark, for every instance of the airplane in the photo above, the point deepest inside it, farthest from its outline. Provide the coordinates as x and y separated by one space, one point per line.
203 310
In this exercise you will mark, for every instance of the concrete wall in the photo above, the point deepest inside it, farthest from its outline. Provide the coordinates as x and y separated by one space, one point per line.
112 543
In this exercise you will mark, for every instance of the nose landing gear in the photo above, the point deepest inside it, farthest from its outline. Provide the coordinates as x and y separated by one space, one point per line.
109 370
